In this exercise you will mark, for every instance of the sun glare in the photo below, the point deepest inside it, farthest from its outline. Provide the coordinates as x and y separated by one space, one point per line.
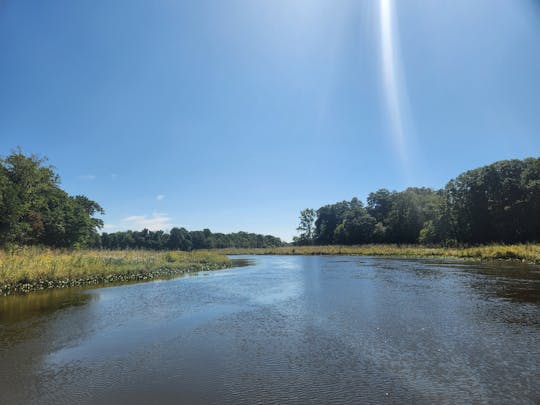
391 83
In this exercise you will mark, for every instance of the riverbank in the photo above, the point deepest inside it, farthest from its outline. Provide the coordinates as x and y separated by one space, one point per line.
528 253
31 269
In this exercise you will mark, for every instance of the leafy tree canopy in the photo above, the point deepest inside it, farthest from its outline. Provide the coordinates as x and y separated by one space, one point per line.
34 210
495 203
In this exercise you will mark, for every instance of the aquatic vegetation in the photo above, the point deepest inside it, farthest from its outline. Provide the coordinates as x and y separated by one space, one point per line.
30 268
529 253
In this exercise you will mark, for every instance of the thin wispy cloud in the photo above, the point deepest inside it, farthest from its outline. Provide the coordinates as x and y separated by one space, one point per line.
156 221
87 177
160 197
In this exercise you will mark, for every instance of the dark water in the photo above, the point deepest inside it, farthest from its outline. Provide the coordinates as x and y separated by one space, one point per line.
284 329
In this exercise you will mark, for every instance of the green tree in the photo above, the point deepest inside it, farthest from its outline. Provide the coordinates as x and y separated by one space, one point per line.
495 203
36 211
328 219
179 239
306 226
380 203
530 184
357 226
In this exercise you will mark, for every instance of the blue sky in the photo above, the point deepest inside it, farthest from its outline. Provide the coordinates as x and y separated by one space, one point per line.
235 115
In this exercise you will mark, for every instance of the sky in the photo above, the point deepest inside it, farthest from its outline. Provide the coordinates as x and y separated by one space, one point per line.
235 115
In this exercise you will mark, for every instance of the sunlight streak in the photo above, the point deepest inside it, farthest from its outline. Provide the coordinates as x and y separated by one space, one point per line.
391 80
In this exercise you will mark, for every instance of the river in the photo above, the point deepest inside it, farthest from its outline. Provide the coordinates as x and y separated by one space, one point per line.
282 329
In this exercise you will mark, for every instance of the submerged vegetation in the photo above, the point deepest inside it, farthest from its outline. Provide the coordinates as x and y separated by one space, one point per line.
29 268
529 253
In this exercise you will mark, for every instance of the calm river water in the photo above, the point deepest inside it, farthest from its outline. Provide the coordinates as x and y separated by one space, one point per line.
283 329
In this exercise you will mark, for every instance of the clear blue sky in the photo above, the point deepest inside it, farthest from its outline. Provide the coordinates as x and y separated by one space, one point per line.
235 115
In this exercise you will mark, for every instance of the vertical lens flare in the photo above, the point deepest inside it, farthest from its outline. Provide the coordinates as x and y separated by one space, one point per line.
391 80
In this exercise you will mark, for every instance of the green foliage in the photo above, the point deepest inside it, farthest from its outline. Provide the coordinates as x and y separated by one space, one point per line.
380 203
329 217
409 211
34 210
495 203
429 234
357 226
181 239
306 226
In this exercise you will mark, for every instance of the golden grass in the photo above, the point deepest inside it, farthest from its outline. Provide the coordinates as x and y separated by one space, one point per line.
529 253
48 267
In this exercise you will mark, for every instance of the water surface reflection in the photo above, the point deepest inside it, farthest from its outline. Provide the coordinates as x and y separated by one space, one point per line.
282 329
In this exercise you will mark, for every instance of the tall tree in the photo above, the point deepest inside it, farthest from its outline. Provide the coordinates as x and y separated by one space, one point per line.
356 228
35 210
328 219
306 226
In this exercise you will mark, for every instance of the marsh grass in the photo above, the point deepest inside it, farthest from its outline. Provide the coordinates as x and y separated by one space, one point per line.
529 253
28 268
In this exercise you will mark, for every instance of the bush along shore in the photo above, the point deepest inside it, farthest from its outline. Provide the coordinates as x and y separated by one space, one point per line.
527 253
31 269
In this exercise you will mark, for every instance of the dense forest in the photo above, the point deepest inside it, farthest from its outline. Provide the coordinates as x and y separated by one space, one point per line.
34 210
182 239
495 203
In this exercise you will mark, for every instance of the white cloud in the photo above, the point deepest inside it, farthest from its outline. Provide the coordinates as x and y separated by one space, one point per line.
154 222
160 197
87 177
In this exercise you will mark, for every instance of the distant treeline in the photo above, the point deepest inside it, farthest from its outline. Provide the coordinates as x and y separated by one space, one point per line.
182 239
34 210
495 203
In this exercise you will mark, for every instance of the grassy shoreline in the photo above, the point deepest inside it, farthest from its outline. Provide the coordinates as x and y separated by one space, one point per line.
32 269
527 253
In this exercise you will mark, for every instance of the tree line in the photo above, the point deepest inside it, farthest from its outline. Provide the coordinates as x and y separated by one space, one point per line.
499 202
182 239
34 210
495 203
